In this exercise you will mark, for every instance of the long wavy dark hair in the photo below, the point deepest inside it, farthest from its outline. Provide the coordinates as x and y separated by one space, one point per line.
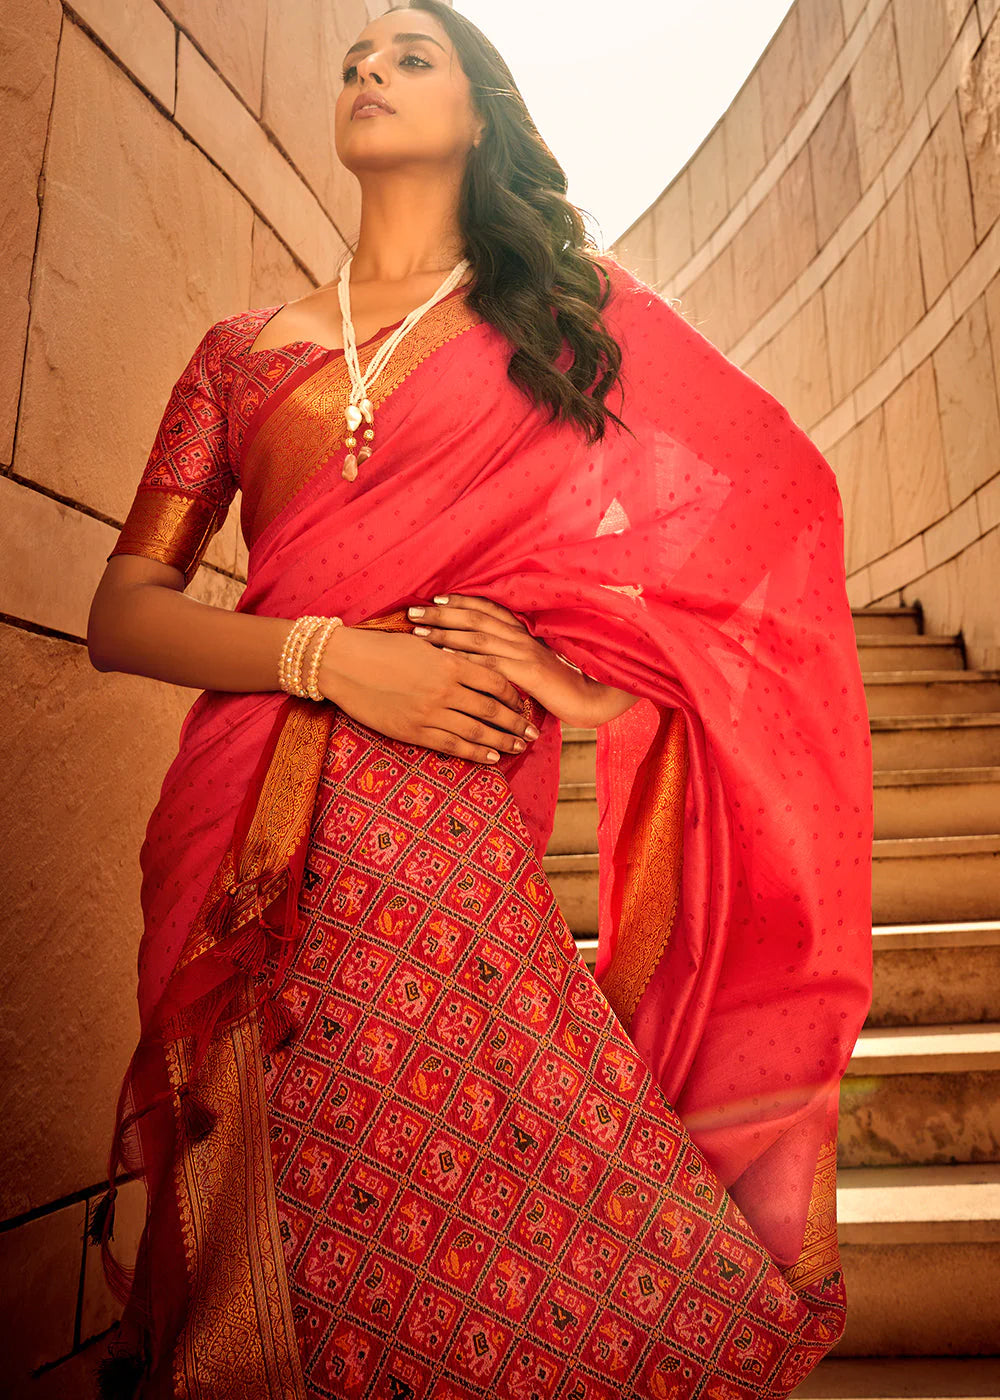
530 251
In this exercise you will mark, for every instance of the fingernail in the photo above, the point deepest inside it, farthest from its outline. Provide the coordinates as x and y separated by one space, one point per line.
415 612
441 598
531 731
421 631
492 755
518 745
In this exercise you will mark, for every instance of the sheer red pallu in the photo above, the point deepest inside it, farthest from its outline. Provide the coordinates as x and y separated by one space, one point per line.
398 1140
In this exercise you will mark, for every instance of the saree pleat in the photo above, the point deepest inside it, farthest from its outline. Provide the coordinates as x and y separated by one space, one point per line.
398 1140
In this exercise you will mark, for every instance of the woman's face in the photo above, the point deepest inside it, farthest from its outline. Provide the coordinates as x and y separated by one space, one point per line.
433 120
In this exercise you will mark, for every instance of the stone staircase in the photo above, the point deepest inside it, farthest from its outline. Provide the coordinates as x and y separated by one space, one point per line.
919 1182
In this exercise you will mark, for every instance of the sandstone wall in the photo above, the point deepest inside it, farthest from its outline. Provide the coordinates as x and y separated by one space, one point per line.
166 163
836 236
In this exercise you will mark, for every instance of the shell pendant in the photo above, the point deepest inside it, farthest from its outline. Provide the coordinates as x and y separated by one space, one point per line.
354 415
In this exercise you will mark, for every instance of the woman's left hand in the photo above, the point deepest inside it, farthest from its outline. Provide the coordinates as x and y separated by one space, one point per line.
492 635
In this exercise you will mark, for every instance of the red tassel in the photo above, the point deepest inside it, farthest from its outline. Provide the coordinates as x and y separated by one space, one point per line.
199 1119
104 1212
248 947
278 1026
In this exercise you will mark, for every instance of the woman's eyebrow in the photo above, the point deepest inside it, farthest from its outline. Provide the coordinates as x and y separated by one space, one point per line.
396 39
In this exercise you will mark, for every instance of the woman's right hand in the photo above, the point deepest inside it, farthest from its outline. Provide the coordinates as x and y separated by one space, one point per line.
408 689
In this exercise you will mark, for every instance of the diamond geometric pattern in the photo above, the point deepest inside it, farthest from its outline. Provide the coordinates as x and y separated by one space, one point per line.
481 1190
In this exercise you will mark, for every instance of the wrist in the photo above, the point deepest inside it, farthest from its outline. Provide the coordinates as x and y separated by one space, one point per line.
332 674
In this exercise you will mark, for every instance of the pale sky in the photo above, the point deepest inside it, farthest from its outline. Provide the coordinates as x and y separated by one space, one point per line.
624 93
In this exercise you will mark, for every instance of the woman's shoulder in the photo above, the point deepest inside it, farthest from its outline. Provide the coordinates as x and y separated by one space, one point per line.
233 334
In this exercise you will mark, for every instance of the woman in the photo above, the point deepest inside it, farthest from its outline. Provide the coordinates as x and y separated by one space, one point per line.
397 1140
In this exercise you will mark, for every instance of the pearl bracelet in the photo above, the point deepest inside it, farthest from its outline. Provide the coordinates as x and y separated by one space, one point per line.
293 653
312 689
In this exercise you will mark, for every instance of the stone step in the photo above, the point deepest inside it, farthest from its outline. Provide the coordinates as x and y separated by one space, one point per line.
933 974
920 1248
903 1378
921 1096
924 974
887 621
935 741
898 741
931 692
921 879
914 653
908 802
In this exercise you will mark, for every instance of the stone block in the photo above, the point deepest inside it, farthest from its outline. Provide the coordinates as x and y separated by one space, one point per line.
673 243
943 204
793 365
988 504
744 139
302 68
952 534
991 297
953 599
143 244
987 12
897 569
90 750
707 173
101 1308
915 455
233 38
979 105
875 296
224 129
877 99
29 38
709 301
924 35
782 86
275 276
51 559
967 402
859 462
821 36
853 9
775 244
636 249
141 37
833 156
40 1266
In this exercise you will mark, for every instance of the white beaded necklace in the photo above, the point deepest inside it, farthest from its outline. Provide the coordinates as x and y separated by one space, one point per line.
359 406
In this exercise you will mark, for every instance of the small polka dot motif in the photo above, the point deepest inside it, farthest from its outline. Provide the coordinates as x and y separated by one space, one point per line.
694 561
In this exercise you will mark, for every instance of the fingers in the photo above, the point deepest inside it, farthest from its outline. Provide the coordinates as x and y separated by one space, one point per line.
465 738
469 629
483 605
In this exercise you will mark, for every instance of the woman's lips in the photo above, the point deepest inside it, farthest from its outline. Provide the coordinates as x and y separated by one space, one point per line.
372 110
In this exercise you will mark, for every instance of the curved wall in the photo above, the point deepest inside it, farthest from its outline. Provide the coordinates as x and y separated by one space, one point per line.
166 163
836 236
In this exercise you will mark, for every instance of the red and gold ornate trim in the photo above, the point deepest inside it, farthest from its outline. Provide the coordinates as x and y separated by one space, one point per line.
653 879
174 527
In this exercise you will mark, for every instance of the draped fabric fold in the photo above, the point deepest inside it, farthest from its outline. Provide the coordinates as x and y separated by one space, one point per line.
696 562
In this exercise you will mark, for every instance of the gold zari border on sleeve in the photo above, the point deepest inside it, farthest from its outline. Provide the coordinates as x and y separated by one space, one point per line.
173 527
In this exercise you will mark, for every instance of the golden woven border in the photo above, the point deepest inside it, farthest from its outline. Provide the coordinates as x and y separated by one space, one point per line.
653 880
306 427
173 527
238 1337
820 1249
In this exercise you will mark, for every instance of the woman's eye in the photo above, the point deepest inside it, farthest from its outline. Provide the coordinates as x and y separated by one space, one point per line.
349 72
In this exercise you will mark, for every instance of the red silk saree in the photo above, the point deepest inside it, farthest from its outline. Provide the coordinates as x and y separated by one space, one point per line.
397 1140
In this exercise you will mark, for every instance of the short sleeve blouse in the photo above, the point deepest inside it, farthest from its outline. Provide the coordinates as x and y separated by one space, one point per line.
188 484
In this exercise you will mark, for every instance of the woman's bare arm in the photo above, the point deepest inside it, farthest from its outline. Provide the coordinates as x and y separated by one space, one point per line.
142 622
